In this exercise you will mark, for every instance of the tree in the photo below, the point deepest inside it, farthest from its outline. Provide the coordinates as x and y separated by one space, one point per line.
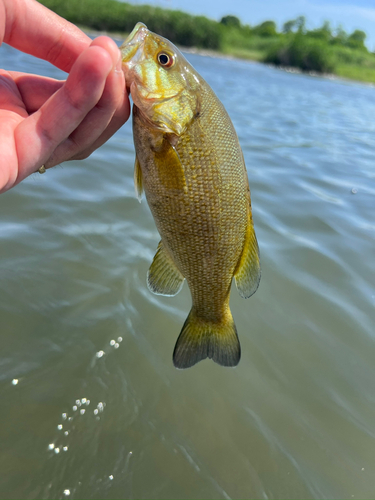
340 37
232 21
268 28
300 24
289 26
357 40
324 33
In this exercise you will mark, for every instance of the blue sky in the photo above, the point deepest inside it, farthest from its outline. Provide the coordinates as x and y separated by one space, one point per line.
351 14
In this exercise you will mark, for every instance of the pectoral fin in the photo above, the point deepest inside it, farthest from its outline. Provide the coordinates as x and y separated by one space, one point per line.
247 275
169 166
138 180
163 277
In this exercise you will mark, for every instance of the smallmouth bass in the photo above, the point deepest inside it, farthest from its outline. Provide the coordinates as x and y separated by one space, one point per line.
190 164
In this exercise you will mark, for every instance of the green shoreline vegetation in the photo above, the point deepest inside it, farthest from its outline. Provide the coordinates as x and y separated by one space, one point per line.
321 50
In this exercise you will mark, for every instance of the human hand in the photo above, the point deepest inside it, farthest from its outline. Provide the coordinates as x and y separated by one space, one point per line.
45 121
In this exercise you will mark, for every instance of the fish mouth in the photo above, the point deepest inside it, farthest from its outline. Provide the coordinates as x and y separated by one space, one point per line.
132 43
131 52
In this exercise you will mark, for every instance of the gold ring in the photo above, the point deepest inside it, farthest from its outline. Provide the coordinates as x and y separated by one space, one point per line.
42 169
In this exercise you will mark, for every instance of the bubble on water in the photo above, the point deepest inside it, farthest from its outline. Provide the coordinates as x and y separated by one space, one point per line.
64 416
117 345
78 402
59 427
66 433
75 408
110 477
57 450
51 446
70 418
87 402
354 191
67 492
15 381
83 401
119 339
65 448
96 411
82 411
112 342
101 406
99 354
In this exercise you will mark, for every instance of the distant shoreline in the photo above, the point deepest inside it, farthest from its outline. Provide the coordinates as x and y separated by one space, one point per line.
120 37
322 51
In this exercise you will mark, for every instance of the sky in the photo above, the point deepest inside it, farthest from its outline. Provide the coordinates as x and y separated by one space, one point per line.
350 14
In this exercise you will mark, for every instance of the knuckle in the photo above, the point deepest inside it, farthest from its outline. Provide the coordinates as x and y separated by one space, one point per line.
81 156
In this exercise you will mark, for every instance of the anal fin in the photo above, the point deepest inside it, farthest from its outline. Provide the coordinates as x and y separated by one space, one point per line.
247 274
163 277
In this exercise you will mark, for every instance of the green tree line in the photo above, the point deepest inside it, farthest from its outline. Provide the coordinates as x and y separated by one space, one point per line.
322 49
110 15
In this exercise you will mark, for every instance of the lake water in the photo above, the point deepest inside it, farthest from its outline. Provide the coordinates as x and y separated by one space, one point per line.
296 418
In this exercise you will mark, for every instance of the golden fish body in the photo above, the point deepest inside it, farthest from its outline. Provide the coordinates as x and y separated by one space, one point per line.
190 165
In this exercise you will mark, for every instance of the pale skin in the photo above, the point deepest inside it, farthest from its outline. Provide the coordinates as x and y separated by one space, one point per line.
45 121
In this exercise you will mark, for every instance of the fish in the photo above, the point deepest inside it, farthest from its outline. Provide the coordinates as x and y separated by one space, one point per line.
191 167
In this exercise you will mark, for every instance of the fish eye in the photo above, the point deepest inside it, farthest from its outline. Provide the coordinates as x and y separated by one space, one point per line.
165 60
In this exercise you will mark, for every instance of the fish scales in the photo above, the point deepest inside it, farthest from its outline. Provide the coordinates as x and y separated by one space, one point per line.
191 167
214 205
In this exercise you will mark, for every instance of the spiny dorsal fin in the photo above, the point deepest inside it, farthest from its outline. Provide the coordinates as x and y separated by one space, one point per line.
200 339
247 274
163 277
138 180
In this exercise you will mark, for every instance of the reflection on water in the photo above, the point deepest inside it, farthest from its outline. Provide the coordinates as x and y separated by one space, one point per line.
92 406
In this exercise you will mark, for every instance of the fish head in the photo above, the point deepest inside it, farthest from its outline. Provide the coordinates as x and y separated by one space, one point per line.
163 85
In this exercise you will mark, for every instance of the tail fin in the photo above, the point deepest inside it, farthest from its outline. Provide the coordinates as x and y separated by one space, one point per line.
200 339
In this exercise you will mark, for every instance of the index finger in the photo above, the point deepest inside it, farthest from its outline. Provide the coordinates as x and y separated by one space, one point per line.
38 135
34 29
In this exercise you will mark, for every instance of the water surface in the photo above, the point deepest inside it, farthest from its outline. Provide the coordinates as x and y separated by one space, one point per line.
99 411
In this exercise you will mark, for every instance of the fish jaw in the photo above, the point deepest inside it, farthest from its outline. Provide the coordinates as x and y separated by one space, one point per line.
132 43
132 52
